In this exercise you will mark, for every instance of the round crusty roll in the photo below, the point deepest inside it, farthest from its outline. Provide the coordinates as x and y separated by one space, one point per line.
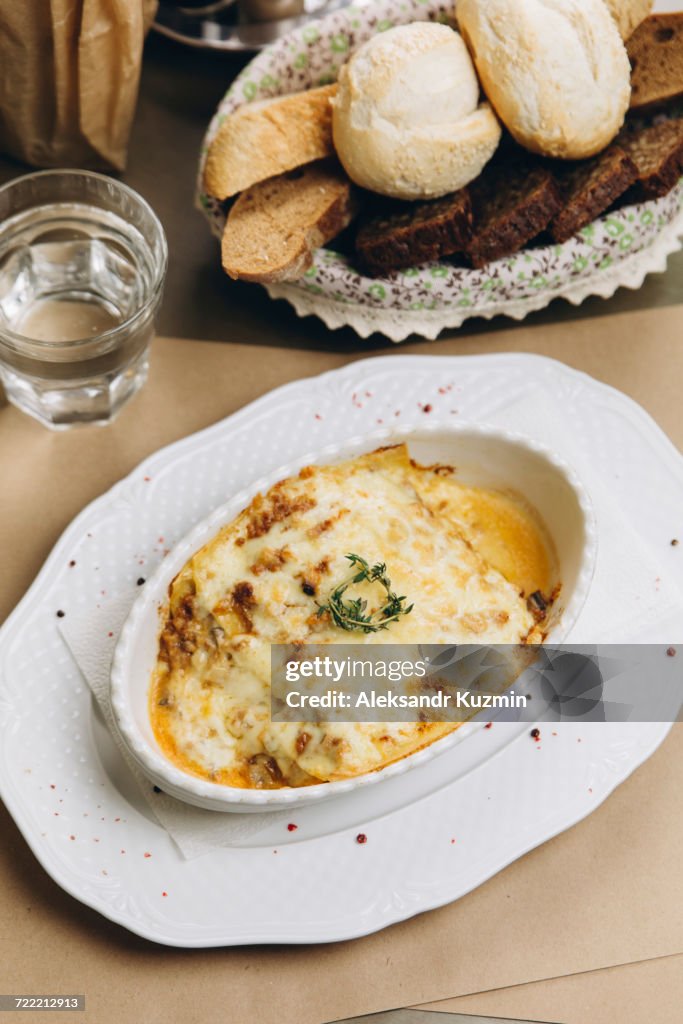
556 71
406 120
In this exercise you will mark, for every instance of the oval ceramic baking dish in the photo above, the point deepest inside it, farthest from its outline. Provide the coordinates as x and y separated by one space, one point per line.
485 457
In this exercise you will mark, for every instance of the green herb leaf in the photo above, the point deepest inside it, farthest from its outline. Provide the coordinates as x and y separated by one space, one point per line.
351 615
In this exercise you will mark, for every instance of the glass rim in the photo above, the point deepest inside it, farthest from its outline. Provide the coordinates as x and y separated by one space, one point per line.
22 341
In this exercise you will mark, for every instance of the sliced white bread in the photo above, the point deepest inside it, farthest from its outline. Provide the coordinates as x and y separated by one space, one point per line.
274 227
263 139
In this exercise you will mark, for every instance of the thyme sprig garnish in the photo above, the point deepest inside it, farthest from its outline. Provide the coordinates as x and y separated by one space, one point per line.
352 614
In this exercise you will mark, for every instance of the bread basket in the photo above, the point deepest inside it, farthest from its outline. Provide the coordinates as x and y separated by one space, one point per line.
619 249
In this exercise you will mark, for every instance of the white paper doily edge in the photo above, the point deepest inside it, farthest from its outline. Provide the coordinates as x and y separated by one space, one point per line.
398 325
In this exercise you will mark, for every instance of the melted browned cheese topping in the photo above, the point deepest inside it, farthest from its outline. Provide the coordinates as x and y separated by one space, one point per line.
468 559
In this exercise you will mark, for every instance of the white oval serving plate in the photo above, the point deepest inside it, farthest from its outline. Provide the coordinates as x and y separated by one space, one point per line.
484 457
61 776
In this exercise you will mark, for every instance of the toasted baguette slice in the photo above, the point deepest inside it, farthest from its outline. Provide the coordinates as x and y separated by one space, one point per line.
656 53
274 227
628 14
589 188
407 234
263 139
657 152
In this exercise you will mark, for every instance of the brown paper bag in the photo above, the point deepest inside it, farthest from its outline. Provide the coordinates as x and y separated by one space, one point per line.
69 81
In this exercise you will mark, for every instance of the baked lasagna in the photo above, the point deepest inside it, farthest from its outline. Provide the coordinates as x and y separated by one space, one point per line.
473 564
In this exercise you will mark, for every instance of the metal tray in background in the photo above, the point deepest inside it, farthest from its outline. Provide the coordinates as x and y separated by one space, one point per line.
221 26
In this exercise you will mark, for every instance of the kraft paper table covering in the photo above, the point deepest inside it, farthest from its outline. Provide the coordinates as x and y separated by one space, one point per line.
607 892
649 990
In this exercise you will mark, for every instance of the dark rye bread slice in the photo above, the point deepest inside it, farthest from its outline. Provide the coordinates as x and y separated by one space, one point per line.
407 234
656 53
513 201
589 187
657 152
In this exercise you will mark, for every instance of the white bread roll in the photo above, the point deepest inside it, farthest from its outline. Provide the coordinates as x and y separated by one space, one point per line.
556 71
628 14
406 121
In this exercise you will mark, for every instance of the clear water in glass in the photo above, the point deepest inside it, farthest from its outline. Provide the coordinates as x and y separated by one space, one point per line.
80 285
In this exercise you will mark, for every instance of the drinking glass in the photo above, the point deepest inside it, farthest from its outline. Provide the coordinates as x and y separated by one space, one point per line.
82 265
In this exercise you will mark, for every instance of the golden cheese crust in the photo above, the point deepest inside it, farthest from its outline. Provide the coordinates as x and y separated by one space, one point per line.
468 560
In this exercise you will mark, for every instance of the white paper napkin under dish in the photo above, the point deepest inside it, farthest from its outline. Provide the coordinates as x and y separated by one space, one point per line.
631 597
91 639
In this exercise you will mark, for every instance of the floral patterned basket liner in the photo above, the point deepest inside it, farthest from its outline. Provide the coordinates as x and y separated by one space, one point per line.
619 249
